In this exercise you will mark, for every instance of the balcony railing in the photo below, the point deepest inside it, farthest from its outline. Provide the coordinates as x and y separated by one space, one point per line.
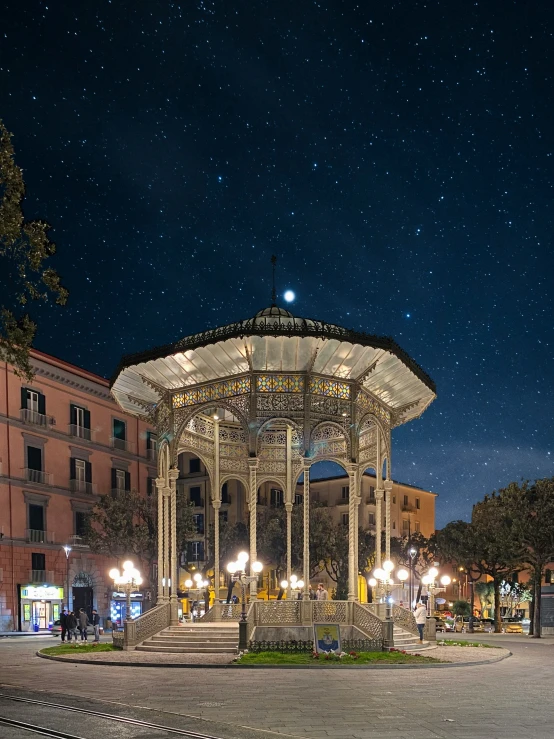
408 508
41 577
370 500
116 492
80 432
43 478
81 486
37 536
151 453
36 418
343 501
122 444
197 502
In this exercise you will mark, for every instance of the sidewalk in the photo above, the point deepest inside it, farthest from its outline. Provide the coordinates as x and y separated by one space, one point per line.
44 632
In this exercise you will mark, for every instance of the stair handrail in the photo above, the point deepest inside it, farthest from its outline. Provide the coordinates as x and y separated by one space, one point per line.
149 623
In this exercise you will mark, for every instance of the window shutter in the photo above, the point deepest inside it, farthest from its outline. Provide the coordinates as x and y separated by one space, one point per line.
24 397
127 481
72 471
41 404
114 478
273 497
87 419
88 472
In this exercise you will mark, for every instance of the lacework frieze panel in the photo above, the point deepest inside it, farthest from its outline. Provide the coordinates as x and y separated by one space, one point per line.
214 391
232 450
202 425
269 466
325 432
273 438
336 448
279 402
196 442
279 453
233 465
277 383
367 455
330 407
328 611
370 405
367 622
232 435
278 613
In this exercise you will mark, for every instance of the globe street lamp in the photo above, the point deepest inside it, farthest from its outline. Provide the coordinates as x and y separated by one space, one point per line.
128 580
296 585
67 550
430 581
201 584
384 576
412 552
238 574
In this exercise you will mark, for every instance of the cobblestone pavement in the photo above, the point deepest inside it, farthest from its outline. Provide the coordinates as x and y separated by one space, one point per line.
505 700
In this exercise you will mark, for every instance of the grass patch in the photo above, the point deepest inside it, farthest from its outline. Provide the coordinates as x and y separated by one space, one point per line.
306 658
464 643
77 649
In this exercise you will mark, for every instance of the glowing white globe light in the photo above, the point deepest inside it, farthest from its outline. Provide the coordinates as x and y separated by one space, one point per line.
388 566
293 579
284 584
402 575
188 583
426 579
114 574
128 565
380 573
256 567
243 557
433 572
300 584
232 567
289 296
197 577
445 580
372 582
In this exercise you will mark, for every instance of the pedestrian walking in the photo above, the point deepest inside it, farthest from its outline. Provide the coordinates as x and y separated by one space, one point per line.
63 623
311 592
321 593
96 625
71 623
420 614
83 623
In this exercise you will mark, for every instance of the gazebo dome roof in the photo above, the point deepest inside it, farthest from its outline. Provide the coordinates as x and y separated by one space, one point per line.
274 340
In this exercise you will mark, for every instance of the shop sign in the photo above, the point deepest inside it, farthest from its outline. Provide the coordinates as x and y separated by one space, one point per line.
122 596
42 592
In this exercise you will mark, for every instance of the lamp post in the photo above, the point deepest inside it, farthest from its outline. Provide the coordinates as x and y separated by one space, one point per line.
295 585
200 585
430 581
412 552
128 580
238 574
67 550
384 576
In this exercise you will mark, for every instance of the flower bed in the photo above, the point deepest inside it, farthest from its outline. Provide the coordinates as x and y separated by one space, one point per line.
78 648
345 658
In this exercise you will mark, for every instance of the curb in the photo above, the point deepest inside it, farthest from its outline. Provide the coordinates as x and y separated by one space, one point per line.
234 666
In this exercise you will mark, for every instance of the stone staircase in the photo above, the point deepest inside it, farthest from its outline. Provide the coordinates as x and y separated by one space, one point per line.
196 638
406 640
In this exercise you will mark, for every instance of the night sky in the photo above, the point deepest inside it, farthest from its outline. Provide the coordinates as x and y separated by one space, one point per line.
396 156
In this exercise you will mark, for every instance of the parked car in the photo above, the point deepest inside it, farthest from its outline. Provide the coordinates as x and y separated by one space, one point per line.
56 629
488 624
444 624
512 625
462 624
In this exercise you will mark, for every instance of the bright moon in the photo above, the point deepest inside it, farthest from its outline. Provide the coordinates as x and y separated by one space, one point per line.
289 296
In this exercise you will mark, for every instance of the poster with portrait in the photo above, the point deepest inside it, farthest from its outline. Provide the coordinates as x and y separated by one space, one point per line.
26 611
327 638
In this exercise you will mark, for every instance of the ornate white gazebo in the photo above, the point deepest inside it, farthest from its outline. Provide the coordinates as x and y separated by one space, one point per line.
262 400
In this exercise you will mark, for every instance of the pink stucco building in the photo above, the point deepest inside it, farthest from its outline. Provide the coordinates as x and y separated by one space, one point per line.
63 442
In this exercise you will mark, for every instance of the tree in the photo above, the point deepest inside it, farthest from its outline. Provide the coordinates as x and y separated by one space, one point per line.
461 608
24 247
485 592
530 509
126 525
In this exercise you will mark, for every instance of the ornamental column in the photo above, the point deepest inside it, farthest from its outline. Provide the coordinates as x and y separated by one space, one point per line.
379 494
388 493
167 533
306 503
353 501
174 568
160 484
253 498
288 508
216 501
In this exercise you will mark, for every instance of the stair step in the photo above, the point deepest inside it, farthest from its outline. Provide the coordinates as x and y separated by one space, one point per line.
184 643
187 650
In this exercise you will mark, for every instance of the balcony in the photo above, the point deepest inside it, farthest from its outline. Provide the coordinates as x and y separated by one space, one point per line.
343 501
408 508
151 454
37 536
226 500
35 418
122 444
81 486
41 577
370 500
38 476
80 432
197 502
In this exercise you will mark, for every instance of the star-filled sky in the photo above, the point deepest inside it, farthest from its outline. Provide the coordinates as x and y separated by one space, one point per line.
398 157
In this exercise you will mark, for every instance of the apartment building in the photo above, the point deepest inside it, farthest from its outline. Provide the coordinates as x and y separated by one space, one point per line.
63 442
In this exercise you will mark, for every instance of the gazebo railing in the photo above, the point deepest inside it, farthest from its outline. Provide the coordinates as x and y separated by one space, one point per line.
136 631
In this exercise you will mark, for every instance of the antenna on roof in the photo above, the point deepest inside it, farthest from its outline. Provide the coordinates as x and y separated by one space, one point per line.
273 291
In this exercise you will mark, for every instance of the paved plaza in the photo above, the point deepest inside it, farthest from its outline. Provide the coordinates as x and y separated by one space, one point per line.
505 700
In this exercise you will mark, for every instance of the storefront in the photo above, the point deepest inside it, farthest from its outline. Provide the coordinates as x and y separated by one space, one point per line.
39 606
118 606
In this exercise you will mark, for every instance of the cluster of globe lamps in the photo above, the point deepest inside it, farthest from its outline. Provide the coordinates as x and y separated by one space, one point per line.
128 580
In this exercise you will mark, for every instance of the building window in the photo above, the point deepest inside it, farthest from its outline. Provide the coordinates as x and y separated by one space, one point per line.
33 406
121 480
80 476
298 499
276 497
195 496
34 459
223 517
80 523
38 561
79 421
371 495
345 492
394 525
150 486
417 527
394 499
36 519
405 525
195 551
119 437
225 497
372 519
194 465
198 520
417 504
345 519
151 444
405 500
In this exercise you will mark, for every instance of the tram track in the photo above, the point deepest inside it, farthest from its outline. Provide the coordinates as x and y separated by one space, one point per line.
44 731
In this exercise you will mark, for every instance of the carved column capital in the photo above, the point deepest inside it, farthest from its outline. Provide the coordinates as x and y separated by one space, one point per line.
288 507
216 504
173 473
388 484
252 463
